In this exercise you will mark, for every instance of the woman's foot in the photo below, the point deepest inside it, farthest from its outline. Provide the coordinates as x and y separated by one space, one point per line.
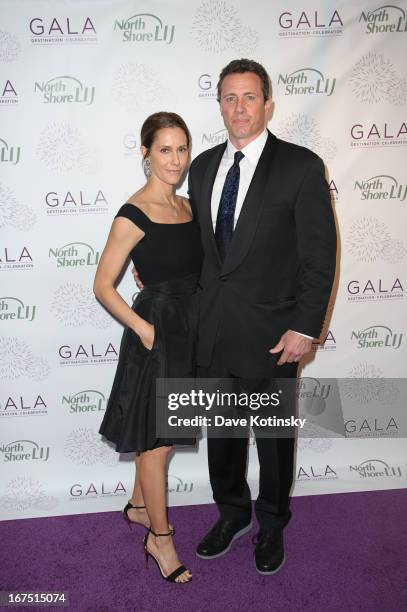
138 515
163 549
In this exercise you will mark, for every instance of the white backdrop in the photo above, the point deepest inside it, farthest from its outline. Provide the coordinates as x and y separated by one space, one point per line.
77 80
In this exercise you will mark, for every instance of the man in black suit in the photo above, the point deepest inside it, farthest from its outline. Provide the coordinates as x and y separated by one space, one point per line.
269 240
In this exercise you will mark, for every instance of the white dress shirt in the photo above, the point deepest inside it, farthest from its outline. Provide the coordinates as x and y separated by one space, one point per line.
248 164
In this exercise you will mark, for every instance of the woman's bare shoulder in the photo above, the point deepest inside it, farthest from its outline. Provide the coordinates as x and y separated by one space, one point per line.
139 201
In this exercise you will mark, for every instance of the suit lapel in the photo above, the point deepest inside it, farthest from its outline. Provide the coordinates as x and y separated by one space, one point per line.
252 206
207 187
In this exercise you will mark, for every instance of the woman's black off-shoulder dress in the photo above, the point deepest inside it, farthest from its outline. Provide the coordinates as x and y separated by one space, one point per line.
168 260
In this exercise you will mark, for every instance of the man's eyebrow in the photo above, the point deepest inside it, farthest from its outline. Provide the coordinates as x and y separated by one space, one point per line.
232 93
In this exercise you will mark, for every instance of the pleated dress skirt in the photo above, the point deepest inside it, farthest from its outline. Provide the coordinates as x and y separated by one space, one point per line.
130 418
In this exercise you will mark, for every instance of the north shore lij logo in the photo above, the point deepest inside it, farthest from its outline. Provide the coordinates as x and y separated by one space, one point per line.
310 388
14 309
62 30
377 337
381 187
177 485
374 79
74 255
388 18
375 468
144 27
23 450
64 90
84 402
214 138
308 24
9 154
8 94
306 81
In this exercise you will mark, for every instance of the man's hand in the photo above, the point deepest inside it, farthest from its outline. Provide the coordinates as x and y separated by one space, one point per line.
137 279
293 345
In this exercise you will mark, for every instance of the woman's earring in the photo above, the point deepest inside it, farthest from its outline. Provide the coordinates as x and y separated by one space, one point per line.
147 167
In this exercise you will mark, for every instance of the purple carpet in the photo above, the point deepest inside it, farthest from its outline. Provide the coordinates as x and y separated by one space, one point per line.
344 552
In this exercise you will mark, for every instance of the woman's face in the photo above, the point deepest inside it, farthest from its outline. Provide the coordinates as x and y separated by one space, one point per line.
169 155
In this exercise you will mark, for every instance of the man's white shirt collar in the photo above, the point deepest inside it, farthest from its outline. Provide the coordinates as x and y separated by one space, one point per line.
252 151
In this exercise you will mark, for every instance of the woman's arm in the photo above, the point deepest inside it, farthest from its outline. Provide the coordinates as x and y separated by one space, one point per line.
123 237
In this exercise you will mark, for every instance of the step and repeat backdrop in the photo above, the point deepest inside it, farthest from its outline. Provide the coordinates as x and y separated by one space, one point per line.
77 79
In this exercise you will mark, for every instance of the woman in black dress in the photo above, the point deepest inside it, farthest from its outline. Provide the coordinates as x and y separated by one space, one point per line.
156 228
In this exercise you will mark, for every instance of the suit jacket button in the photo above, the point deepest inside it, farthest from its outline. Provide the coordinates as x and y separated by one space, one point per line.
223 278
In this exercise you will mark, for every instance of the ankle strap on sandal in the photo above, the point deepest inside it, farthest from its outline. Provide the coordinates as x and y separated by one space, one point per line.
129 506
157 535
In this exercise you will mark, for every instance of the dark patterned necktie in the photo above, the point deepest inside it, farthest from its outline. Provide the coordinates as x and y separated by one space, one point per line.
227 205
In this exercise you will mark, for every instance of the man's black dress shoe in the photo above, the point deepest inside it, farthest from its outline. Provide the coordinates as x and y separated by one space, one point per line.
269 551
220 538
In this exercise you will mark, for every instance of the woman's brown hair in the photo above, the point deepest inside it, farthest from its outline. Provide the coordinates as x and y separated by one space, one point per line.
158 121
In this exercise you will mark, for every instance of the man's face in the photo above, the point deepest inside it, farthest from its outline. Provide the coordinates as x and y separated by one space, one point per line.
243 107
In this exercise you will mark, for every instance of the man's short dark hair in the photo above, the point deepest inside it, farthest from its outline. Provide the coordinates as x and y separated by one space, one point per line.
245 65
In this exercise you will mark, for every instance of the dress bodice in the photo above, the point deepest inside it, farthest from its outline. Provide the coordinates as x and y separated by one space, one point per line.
167 250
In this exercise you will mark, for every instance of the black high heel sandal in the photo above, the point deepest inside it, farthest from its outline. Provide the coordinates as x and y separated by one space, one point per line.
126 509
177 572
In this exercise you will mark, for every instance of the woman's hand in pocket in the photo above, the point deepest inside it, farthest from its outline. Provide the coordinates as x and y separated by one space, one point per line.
147 336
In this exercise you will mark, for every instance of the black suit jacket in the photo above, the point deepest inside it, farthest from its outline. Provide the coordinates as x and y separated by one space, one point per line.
279 269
